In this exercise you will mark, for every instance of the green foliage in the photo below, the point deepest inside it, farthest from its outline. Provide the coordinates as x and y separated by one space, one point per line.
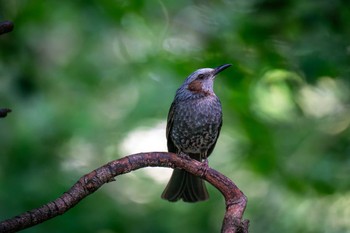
91 81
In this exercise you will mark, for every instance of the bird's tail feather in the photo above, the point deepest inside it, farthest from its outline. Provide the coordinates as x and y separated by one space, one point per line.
185 186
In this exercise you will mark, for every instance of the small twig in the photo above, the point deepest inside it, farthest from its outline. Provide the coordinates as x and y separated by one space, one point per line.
89 183
4 111
5 27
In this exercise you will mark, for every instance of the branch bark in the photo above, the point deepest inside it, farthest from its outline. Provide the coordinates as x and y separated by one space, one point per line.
235 200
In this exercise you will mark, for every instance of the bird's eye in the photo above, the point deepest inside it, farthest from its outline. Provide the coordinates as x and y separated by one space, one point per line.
201 76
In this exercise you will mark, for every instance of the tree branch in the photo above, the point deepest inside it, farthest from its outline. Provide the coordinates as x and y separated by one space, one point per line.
4 111
89 183
5 27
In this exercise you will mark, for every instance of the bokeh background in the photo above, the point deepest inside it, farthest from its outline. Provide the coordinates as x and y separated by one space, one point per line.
92 81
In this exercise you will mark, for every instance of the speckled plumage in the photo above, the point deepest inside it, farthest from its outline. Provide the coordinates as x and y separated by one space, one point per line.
194 123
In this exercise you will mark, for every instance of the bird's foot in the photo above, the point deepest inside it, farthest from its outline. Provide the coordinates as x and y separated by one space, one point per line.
183 155
205 167
206 163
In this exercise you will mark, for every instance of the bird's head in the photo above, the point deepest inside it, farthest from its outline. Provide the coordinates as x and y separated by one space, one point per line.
200 82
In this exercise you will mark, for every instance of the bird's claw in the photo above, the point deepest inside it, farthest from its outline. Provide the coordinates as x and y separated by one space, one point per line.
205 167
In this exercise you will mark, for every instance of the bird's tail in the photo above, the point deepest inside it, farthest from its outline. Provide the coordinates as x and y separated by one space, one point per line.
185 186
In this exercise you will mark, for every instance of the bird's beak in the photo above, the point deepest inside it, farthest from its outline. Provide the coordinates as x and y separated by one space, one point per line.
221 68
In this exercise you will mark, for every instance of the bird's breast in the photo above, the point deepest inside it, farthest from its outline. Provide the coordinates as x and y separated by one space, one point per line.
196 124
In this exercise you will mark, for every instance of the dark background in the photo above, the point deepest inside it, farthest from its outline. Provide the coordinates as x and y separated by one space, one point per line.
92 81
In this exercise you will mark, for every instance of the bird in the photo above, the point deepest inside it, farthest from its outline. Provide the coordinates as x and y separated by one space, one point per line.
193 127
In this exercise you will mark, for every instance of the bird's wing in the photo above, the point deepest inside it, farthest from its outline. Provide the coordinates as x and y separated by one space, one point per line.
216 139
171 146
